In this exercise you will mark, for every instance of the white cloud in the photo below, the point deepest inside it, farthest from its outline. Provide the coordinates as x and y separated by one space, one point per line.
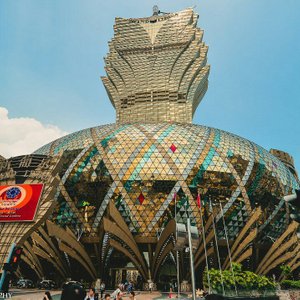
20 136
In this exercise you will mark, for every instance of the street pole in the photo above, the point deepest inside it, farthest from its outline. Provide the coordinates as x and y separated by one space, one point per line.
177 254
12 247
178 275
191 258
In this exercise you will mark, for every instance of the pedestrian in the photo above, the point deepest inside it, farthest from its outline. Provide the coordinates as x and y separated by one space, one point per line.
107 297
47 296
170 293
102 289
199 293
130 287
125 286
151 286
116 292
73 292
91 295
132 295
119 296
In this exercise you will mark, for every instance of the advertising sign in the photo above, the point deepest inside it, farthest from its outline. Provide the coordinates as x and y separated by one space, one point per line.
18 203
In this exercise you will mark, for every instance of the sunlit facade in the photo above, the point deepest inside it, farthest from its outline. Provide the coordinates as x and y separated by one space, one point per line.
156 68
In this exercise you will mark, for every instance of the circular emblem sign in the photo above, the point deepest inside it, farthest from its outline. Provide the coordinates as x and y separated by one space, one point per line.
18 202
15 196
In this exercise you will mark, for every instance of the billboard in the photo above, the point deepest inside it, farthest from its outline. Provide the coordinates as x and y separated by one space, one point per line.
18 202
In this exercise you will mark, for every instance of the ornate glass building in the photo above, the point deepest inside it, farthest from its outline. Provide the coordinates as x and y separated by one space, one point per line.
119 188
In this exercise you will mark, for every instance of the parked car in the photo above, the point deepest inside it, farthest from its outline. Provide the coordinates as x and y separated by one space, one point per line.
47 284
25 283
72 282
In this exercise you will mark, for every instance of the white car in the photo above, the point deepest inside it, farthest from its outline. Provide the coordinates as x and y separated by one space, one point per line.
25 283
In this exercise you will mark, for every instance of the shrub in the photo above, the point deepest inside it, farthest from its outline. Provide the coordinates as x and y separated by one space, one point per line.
243 280
290 284
286 271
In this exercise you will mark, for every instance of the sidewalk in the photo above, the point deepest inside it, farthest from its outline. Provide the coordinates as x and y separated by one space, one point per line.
36 296
147 296
56 296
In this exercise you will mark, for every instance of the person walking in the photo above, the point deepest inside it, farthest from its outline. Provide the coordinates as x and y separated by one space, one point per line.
199 293
130 287
132 295
118 291
47 296
102 289
170 293
91 295
107 297
119 296
151 286
73 292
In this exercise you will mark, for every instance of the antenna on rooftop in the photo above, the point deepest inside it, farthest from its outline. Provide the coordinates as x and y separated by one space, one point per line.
155 10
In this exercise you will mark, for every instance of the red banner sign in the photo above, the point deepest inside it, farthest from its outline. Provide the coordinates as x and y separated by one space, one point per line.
18 203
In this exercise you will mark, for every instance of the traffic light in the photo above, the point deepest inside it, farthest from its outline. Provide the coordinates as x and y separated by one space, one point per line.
10 266
294 202
15 258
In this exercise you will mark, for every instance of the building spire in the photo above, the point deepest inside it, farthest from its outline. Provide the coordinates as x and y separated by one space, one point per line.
155 10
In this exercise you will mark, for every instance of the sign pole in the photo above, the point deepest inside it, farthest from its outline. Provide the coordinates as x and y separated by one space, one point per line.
12 247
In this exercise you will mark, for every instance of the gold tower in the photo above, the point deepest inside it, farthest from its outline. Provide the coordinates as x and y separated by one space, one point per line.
156 68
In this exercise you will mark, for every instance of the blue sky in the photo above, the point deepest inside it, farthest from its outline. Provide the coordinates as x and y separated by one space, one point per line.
51 58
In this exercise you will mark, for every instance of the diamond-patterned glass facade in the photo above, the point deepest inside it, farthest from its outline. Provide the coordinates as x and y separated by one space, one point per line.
135 167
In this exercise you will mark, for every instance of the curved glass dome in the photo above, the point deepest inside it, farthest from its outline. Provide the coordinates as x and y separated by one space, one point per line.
141 166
